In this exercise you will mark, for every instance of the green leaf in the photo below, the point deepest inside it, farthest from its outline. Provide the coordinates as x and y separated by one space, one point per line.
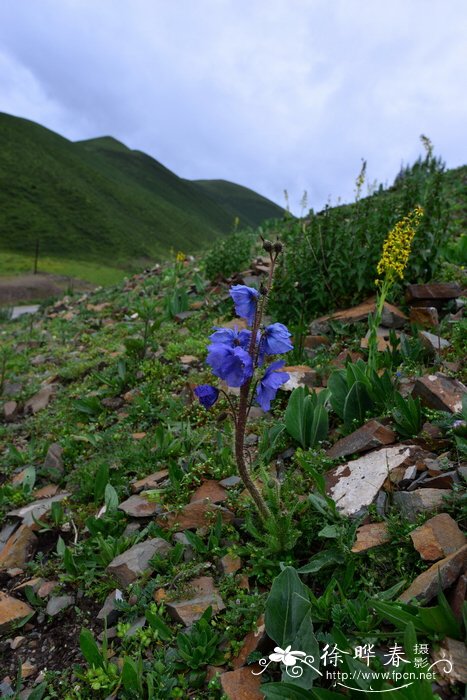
110 498
330 531
131 679
286 606
101 480
90 650
39 692
337 384
321 560
357 403
69 562
295 414
306 641
61 547
285 691
159 626
319 427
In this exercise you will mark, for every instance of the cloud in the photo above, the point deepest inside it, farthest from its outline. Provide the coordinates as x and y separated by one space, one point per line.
288 94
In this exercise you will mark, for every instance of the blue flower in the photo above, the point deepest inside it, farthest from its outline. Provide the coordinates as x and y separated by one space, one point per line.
207 395
231 337
234 365
275 339
245 300
270 383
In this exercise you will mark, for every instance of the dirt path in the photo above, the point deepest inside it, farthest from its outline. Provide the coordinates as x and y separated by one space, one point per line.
29 287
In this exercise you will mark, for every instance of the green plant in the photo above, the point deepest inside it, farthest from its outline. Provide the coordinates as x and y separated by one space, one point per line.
306 417
199 647
229 255
407 415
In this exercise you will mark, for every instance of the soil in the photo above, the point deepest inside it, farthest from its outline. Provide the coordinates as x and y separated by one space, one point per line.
29 287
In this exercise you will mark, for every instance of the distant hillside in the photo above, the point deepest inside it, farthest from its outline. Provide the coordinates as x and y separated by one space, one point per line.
98 200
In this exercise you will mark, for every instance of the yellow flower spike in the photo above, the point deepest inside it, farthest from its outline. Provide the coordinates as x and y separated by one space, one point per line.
396 247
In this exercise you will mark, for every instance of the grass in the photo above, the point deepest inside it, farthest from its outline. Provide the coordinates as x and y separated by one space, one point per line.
95 273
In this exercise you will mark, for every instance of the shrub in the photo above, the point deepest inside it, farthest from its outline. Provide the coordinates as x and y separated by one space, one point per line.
230 254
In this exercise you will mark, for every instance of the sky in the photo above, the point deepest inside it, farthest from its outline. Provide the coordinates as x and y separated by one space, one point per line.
272 94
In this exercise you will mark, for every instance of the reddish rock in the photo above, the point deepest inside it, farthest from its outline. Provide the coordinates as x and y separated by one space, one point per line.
369 436
229 564
369 536
427 316
18 548
440 392
36 510
138 506
254 641
46 588
39 401
195 515
382 339
411 503
28 669
355 485
426 585
346 356
440 291
315 341
209 489
241 684
438 537
151 481
434 343
46 491
391 314
12 610
188 360
205 595
138 436
456 653
53 461
300 375
10 411
458 595
128 566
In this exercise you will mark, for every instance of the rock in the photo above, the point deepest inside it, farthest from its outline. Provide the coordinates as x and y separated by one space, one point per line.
139 507
128 566
382 339
346 356
16 642
355 485
369 536
46 491
439 291
241 684
434 343
40 400
229 564
56 604
34 583
12 610
113 403
205 594
18 548
438 537
138 436
457 596
211 490
6 532
372 434
28 669
426 316
426 585
456 653
46 588
311 342
195 515
254 641
38 360
188 551
230 482
53 462
188 360
109 613
184 316
300 375
411 503
151 481
10 411
391 315
37 510
440 392
12 388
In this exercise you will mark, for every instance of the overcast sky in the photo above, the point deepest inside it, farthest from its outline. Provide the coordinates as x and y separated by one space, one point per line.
272 94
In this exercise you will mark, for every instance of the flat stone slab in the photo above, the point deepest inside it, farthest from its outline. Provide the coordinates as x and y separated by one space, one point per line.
149 482
456 652
58 603
195 515
438 537
241 684
40 400
440 392
36 510
434 343
444 572
300 375
371 535
137 506
211 490
12 610
18 548
372 434
205 594
355 485
442 290
411 503
254 641
128 566
391 315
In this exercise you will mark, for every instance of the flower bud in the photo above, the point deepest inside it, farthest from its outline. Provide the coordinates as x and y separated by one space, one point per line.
267 246
278 247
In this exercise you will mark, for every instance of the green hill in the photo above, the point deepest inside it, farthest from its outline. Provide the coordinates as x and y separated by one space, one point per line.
98 200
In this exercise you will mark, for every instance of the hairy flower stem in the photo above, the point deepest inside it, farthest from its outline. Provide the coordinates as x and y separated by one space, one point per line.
374 324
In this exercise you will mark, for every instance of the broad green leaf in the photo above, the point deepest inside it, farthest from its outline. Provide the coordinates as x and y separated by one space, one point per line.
285 691
101 481
286 606
295 415
357 403
130 678
306 641
110 498
330 531
337 385
39 692
90 650
321 560
159 625
319 427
